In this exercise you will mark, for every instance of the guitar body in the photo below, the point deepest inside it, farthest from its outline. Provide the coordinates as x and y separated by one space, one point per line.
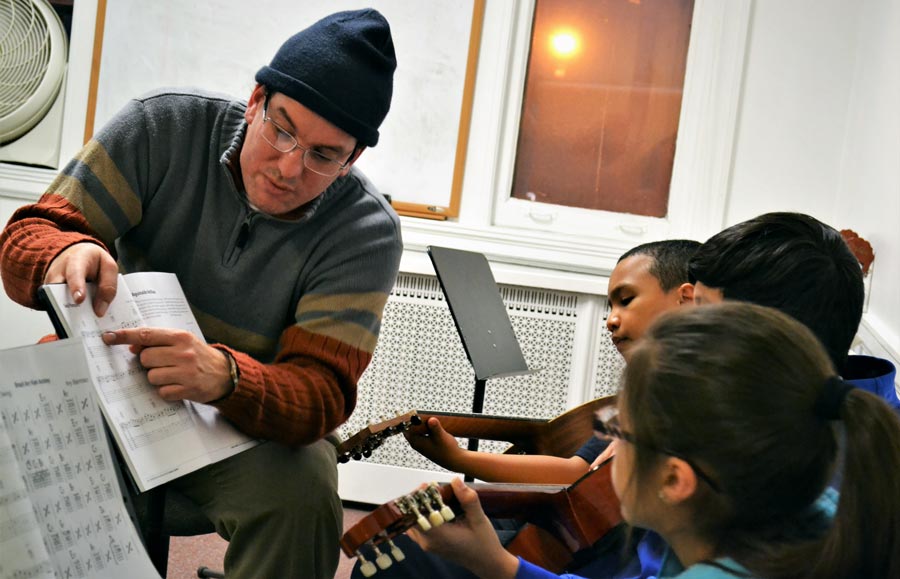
540 547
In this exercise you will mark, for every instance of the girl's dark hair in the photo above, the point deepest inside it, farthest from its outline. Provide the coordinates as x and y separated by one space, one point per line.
734 388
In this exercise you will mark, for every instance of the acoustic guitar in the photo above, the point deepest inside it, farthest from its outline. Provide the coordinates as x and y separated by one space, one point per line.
561 436
560 521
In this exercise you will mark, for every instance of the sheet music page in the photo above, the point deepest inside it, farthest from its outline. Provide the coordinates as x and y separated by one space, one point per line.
160 440
61 508
162 304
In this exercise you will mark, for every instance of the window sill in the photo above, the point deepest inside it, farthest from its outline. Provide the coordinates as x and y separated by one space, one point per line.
518 257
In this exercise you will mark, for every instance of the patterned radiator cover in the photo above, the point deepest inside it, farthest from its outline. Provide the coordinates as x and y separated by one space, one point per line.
420 363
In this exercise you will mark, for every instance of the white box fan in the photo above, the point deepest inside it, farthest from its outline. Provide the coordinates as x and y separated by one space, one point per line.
33 54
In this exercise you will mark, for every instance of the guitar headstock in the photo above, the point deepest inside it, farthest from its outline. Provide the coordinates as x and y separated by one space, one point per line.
426 507
361 444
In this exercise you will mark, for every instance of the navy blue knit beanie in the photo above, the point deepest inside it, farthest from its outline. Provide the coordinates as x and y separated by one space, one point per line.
341 68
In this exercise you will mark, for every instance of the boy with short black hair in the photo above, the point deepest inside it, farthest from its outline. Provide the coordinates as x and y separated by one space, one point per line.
803 267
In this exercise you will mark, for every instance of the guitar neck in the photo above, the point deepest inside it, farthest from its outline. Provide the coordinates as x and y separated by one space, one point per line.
577 515
513 501
562 436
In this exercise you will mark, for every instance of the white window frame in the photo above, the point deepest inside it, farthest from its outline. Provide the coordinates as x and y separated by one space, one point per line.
580 240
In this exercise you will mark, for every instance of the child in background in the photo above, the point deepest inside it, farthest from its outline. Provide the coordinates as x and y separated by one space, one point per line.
804 268
726 448
648 280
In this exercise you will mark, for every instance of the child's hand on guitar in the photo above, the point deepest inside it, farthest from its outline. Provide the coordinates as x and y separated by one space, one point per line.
608 453
434 443
469 540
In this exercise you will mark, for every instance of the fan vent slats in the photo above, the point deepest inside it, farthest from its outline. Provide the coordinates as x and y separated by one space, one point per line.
32 64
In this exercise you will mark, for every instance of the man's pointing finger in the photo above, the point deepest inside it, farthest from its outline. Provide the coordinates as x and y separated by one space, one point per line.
137 337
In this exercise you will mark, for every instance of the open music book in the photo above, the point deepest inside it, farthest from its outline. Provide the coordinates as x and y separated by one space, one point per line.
61 507
160 440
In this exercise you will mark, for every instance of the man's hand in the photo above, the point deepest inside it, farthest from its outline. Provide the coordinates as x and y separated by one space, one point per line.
435 443
81 263
180 364
469 540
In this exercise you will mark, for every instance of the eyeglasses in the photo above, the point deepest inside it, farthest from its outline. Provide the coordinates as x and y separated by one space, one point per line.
284 142
606 424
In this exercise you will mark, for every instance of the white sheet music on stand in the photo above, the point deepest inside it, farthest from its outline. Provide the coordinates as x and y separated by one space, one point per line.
61 509
160 440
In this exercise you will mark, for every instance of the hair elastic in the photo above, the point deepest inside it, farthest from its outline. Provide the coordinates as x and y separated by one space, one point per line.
831 398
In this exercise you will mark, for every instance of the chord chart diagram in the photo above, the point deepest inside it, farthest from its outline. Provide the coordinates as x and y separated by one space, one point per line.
61 511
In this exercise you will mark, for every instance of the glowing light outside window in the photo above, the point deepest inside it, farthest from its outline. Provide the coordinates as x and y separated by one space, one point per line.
602 101
564 44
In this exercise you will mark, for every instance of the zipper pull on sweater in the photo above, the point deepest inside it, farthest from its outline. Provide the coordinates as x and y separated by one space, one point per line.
244 233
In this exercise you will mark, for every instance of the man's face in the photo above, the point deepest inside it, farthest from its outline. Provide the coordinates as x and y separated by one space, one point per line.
705 295
635 301
278 183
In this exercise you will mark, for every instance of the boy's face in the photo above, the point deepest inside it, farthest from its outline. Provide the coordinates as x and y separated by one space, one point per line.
636 300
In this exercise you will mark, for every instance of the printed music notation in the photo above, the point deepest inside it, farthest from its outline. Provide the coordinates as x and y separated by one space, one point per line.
153 427
61 509
159 440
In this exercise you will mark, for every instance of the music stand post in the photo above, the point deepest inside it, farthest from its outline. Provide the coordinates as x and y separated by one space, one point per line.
481 319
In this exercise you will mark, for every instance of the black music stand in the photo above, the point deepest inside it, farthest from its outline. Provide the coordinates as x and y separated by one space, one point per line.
481 319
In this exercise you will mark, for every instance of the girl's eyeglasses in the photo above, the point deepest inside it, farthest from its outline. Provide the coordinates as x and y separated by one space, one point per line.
606 425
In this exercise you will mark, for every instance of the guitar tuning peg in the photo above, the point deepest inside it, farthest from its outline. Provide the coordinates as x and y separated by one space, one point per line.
366 567
437 516
383 560
367 453
446 512
420 519
396 553
426 498
415 419
343 458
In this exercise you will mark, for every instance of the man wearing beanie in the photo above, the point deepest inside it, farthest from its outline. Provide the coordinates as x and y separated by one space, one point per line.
284 249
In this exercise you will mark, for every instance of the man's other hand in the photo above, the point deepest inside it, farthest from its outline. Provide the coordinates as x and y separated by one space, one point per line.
81 263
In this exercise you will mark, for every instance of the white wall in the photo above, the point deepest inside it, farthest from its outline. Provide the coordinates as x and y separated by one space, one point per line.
819 130
868 187
793 110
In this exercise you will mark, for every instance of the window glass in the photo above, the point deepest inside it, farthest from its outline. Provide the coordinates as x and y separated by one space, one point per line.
601 106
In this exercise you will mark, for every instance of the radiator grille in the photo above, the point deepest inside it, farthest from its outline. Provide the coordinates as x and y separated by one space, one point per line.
608 365
420 363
